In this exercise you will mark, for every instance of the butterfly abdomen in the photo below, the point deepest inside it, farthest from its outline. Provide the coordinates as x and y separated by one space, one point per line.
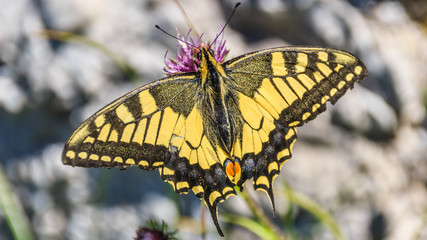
220 119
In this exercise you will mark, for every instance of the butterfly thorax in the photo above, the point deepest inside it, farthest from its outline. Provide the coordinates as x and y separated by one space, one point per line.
216 101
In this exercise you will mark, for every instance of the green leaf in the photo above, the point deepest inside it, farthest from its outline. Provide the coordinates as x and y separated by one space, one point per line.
15 217
257 228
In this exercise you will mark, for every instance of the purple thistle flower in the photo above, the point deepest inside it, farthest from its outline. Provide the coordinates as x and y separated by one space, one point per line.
154 231
186 56
144 233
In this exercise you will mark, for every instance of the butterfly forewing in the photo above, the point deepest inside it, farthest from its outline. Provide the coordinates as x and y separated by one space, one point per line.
293 84
133 130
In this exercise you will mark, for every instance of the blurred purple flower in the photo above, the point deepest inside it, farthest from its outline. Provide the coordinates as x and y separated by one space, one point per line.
150 234
186 56
154 231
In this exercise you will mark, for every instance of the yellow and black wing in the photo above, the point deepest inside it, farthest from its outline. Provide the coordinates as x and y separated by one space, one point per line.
165 125
135 129
278 90
294 83
156 126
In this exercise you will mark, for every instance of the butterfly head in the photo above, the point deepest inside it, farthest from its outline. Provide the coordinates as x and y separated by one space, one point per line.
189 54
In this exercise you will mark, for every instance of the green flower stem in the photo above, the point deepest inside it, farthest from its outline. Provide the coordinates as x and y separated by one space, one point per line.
260 215
288 220
254 226
202 218
18 223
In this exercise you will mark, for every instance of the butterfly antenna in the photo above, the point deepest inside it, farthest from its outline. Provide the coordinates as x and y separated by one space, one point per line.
170 35
226 23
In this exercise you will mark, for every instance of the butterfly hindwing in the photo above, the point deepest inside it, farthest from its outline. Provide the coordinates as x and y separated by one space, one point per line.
263 147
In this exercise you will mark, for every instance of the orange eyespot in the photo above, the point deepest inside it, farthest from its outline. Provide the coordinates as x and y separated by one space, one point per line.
230 169
233 171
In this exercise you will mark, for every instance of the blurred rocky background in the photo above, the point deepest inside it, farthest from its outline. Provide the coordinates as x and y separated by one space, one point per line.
364 160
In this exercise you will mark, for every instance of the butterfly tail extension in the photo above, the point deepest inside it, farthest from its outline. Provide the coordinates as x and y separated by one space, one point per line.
271 159
187 173
216 192
213 209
